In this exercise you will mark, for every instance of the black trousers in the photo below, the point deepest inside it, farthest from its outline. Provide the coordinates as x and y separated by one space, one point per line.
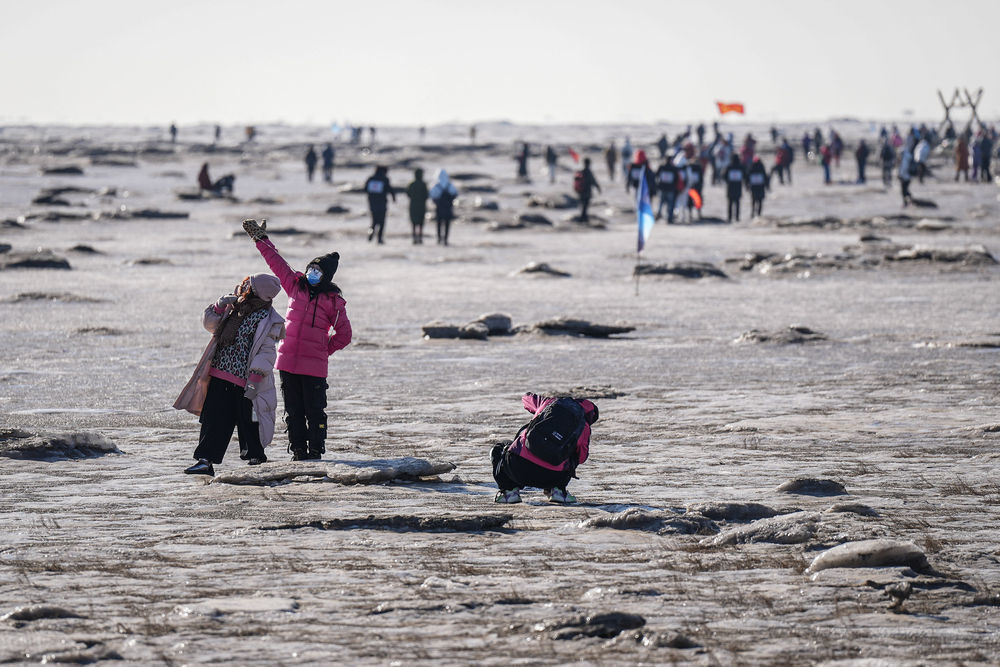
443 227
378 223
305 411
733 207
226 409
584 205
511 471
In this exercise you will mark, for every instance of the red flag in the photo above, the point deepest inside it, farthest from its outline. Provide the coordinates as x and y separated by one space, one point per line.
573 154
730 107
695 197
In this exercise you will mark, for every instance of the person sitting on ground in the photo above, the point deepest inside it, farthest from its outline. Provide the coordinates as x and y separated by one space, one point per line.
223 186
547 450
233 385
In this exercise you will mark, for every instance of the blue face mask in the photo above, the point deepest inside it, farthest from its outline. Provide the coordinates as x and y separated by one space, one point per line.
314 275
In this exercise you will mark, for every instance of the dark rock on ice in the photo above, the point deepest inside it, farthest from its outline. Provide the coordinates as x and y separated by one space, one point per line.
469 176
733 511
794 528
459 524
38 612
654 640
976 255
144 214
375 471
49 200
871 553
99 331
12 224
605 625
533 219
40 259
536 268
481 204
852 508
70 170
484 189
690 270
473 330
793 335
150 261
85 250
5 247
497 324
336 209
573 327
807 486
662 523
65 297
19 444
559 202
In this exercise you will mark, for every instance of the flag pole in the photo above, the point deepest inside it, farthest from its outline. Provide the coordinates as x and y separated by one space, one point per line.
636 271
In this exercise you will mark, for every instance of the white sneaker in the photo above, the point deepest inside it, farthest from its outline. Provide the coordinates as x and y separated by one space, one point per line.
563 496
508 497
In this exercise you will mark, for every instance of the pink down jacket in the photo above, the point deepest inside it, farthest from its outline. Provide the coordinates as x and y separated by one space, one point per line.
534 404
308 344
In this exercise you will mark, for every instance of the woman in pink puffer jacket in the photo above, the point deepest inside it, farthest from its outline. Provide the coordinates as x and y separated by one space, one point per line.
315 306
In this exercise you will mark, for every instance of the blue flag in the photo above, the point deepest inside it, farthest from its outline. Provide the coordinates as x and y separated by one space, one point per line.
644 210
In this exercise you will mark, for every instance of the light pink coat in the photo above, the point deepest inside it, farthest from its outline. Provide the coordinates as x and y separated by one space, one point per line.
262 354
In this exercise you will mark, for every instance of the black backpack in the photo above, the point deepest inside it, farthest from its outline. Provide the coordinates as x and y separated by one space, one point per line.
552 434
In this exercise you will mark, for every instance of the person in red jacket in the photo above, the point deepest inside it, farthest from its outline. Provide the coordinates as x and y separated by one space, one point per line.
523 462
315 306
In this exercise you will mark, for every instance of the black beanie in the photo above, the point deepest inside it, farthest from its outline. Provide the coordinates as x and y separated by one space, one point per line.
328 264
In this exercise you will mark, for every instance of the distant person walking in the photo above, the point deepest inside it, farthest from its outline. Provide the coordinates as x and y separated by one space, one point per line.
962 158
417 192
757 178
173 133
637 170
788 157
551 161
887 156
987 157
311 160
522 162
907 169
315 306
611 158
232 387
626 154
662 145
584 184
328 156
443 195
379 190
836 147
921 153
861 156
735 176
825 157
667 182
218 133
748 150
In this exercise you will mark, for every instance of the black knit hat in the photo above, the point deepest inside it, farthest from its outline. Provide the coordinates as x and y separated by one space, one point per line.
328 264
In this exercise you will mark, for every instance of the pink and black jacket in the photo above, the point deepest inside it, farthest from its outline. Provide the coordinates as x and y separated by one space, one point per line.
308 343
534 404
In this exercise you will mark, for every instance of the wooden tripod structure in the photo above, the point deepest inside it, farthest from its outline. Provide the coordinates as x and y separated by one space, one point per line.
958 102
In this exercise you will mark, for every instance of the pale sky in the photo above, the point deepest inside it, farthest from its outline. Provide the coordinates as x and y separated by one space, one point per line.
412 62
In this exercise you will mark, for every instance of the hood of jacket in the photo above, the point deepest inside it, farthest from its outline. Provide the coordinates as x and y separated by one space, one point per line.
265 285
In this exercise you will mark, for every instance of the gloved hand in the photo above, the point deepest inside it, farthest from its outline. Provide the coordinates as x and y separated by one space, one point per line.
224 301
255 231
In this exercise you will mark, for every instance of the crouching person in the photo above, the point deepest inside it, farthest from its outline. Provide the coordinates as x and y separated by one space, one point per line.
547 450
233 384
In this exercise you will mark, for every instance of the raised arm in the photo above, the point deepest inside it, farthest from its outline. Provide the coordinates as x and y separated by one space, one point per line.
213 315
279 267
